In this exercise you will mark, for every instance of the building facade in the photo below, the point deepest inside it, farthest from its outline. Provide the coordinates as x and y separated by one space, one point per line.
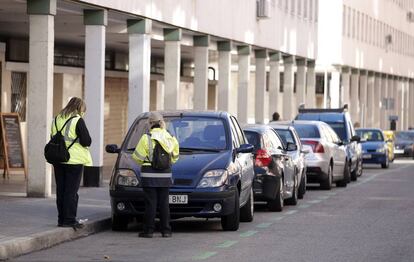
248 57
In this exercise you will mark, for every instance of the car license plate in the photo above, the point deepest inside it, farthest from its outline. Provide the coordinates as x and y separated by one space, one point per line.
399 151
178 199
366 156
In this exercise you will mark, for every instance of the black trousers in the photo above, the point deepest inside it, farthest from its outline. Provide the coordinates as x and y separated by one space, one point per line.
68 179
157 196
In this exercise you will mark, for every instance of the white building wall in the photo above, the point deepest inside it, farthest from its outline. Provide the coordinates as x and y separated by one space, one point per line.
289 29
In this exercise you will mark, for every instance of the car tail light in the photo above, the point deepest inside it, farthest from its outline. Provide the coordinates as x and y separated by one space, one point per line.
316 146
262 158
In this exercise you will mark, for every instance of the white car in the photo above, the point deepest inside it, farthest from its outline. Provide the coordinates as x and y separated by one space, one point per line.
326 159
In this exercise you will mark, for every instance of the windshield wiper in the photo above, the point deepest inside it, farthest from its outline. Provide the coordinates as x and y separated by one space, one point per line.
188 149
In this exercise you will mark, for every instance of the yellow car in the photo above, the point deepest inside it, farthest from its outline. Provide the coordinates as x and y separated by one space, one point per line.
390 138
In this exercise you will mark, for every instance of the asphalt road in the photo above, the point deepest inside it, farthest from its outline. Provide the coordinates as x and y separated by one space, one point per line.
370 220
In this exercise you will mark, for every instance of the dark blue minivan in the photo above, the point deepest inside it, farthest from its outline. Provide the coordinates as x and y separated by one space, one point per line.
212 178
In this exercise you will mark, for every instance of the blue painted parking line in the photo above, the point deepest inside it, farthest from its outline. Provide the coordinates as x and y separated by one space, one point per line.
264 225
290 212
248 233
227 243
204 255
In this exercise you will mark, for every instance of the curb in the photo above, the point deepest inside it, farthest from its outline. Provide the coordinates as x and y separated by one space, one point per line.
38 241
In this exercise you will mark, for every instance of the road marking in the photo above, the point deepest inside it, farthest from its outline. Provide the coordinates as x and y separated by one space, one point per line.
331 193
314 201
248 233
227 243
304 206
277 218
324 197
204 255
290 212
263 225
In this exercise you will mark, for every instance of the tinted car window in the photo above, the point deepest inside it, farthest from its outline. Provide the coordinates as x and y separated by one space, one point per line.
370 135
253 138
336 121
275 140
404 135
307 131
191 132
286 136
339 129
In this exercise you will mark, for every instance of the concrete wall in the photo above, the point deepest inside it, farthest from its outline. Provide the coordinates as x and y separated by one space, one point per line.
286 30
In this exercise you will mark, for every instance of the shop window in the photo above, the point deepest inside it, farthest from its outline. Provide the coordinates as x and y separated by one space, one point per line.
19 94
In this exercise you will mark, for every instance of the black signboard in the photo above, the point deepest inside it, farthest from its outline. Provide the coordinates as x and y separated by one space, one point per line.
12 143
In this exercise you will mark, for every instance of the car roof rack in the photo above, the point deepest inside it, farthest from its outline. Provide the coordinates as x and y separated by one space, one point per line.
302 109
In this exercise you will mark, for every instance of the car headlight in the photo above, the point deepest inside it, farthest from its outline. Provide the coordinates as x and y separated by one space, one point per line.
381 150
126 177
213 178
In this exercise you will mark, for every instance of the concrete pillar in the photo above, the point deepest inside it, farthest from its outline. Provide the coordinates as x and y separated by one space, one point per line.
399 98
300 82
406 104
311 85
40 94
391 99
411 103
377 100
288 81
334 91
345 86
243 80
370 100
384 101
201 44
261 60
139 68
275 101
5 84
363 77
172 60
354 105
224 75
95 29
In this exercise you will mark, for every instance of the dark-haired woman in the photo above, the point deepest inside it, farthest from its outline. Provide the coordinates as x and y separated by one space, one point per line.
68 174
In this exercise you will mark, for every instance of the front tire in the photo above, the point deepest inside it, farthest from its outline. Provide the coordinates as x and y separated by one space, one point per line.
302 187
231 222
276 205
347 176
386 164
327 183
247 211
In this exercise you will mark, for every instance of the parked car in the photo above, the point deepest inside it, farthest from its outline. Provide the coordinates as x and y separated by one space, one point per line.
404 143
327 160
290 137
340 121
374 146
212 178
276 180
390 139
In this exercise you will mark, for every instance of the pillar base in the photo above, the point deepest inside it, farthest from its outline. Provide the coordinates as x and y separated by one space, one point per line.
92 176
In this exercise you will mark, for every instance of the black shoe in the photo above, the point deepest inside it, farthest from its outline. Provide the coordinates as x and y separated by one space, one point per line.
167 234
145 235
75 225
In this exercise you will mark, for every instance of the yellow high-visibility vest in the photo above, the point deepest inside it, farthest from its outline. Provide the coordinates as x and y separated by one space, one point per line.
79 155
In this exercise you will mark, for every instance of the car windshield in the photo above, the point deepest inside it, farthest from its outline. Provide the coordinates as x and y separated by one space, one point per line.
192 132
286 136
339 129
370 135
307 131
405 136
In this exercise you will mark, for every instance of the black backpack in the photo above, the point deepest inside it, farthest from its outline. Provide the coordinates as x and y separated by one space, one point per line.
56 150
161 159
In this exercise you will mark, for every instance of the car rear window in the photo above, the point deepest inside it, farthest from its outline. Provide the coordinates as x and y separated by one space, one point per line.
335 120
190 131
339 129
286 136
253 138
307 131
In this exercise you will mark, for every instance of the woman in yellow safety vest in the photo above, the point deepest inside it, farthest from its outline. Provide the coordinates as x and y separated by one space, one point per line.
68 174
156 178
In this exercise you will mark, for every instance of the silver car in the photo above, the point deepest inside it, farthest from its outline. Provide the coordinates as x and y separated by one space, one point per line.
326 161
294 148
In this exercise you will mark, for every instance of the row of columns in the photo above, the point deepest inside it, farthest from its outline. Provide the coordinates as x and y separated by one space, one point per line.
40 88
373 97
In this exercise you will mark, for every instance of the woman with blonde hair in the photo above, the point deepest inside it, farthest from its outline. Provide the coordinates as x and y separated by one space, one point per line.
68 174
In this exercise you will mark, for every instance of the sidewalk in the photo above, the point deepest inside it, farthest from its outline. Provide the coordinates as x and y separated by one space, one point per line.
30 224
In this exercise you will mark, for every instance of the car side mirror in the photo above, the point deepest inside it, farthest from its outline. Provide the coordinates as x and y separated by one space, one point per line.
112 149
245 148
291 147
340 143
356 139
